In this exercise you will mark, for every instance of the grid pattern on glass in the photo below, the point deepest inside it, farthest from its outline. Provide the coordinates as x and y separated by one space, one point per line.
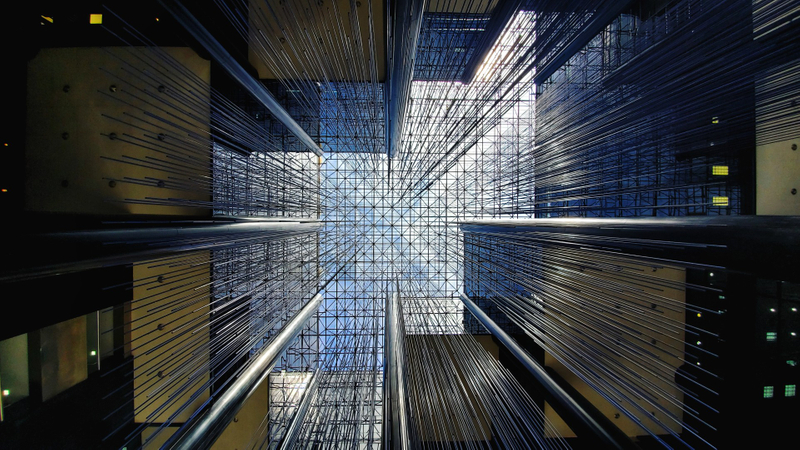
769 391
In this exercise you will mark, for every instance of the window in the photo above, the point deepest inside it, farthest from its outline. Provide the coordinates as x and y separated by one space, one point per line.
771 336
790 390
719 170
769 391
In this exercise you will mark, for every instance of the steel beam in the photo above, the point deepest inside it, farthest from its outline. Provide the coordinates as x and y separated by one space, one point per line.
202 433
237 72
404 21
395 375
555 394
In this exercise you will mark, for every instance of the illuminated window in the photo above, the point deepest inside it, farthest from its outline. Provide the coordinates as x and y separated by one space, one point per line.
771 336
719 170
789 390
715 120
720 201
95 19
769 391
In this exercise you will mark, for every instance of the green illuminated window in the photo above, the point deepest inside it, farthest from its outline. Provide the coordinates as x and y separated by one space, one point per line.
771 336
769 391
790 390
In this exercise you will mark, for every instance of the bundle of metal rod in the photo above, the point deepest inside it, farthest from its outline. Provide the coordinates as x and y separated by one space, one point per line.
459 394
564 28
638 315
326 57
346 408
460 115
196 320
177 142
633 124
777 113
121 243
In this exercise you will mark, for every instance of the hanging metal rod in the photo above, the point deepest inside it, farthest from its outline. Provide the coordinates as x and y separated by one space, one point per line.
602 17
501 16
202 433
556 395
293 429
395 376
74 251
764 245
404 23
237 72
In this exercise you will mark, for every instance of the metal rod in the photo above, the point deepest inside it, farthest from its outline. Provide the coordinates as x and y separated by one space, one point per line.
502 15
599 20
556 394
395 373
205 431
403 47
103 248
293 429
237 72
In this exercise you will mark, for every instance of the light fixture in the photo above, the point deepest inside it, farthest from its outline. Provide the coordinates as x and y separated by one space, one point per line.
6 392
93 353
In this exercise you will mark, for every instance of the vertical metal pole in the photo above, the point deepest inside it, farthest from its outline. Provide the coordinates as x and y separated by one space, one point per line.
396 374
202 433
